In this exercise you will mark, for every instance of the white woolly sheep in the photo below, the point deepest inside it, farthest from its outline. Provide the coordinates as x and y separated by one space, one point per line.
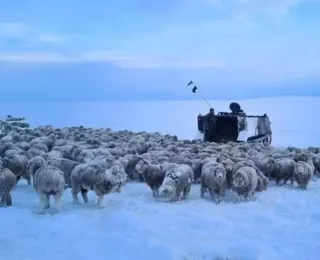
49 180
177 179
245 181
281 169
85 177
153 174
303 173
214 178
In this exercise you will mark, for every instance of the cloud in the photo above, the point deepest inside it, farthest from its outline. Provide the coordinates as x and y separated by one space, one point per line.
233 26
33 57
142 61
254 7
49 38
24 33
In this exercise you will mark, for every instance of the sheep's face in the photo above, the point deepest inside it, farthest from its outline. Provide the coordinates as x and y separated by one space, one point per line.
120 173
222 158
167 190
239 180
76 152
196 165
141 166
116 170
219 173
301 169
228 165
270 164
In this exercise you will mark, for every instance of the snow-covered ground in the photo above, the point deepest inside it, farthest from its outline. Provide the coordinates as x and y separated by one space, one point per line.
280 224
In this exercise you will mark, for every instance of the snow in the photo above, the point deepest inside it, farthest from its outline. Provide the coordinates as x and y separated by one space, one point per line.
281 223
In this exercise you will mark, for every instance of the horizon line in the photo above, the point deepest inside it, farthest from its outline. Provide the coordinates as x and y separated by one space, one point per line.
160 99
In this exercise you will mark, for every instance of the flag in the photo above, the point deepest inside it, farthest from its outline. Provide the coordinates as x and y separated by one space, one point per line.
194 89
190 83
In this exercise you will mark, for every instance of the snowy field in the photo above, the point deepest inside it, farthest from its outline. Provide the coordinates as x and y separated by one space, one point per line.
280 224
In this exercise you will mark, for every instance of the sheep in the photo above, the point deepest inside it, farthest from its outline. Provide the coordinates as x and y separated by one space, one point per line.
66 166
7 183
177 179
17 163
213 177
303 171
245 181
85 177
228 164
301 156
316 163
153 174
34 164
197 167
281 169
264 164
130 169
263 181
48 180
222 157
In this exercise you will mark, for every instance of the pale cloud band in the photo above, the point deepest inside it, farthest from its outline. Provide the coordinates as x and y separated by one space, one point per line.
143 61
26 33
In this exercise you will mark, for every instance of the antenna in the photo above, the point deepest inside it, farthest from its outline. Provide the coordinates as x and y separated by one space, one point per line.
195 89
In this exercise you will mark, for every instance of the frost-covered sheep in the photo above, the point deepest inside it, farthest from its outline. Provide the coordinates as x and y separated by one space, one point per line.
263 181
264 164
82 156
281 169
245 181
85 177
130 169
301 156
17 163
197 169
316 163
222 157
177 179
118 177
43 140
214 178
49 181
34 164
180 160
228 164
153 174
7 183
303 173
66 166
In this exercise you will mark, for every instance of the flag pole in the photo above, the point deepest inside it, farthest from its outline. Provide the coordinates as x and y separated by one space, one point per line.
195 88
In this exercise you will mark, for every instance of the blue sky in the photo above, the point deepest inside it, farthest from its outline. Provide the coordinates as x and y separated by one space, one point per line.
143 49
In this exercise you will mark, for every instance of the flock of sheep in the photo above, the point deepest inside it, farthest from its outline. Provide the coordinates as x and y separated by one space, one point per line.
83 159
